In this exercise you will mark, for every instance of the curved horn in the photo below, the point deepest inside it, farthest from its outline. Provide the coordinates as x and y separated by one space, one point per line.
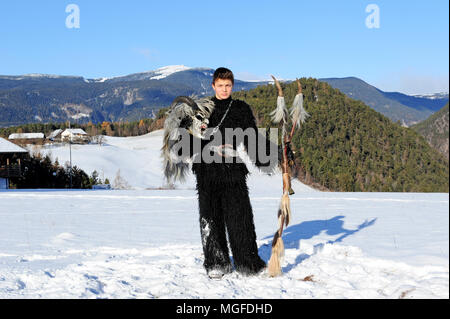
280 90
299 85
185 99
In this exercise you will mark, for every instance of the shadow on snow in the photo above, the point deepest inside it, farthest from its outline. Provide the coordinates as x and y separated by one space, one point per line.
306 230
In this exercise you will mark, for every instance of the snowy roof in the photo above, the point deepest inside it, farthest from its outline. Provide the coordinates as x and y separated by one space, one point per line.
74 131
8 147
55 133
25 135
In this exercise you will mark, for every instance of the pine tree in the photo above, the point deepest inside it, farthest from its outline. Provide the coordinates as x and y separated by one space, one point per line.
119 182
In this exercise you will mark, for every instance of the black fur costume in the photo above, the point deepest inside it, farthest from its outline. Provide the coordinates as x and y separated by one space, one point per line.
224 202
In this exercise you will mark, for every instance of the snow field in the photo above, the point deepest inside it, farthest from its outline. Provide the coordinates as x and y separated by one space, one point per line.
145 242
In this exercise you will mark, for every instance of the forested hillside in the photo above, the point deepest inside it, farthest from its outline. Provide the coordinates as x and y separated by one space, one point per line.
435 130
396 106
343 146
122 128
347 146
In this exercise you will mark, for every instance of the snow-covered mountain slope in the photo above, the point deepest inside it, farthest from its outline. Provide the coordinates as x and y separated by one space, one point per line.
145 243
157 74
433 96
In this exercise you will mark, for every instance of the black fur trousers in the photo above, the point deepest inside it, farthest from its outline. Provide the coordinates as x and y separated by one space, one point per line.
227 210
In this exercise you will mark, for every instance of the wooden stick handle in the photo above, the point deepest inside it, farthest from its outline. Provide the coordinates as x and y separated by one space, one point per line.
277 84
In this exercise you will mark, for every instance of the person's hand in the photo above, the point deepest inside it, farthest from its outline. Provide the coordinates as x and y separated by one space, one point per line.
225 150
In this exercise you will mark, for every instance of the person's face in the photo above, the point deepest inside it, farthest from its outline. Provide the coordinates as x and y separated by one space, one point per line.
223 88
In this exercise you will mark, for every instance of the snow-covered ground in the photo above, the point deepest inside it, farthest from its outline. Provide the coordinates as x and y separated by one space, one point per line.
145 242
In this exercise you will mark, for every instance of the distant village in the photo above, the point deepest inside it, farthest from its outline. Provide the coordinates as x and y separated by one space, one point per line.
13 149
18 165
73 135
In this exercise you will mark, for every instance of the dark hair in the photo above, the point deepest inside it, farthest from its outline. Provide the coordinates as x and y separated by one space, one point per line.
223 73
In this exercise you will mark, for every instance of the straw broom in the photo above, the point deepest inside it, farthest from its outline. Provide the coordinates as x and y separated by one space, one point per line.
298 116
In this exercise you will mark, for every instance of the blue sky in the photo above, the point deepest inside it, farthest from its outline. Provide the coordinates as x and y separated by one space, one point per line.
409 52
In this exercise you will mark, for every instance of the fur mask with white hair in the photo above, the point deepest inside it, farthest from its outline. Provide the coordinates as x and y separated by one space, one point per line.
191 115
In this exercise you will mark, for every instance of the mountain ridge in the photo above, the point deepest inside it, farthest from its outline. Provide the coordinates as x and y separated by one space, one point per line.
347 146
44 98
408 109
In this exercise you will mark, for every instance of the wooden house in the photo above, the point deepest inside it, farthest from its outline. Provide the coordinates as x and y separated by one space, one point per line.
27 138
55 136
76 135
10 154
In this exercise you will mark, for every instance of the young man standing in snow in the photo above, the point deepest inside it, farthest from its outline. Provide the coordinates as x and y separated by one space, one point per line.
224 202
